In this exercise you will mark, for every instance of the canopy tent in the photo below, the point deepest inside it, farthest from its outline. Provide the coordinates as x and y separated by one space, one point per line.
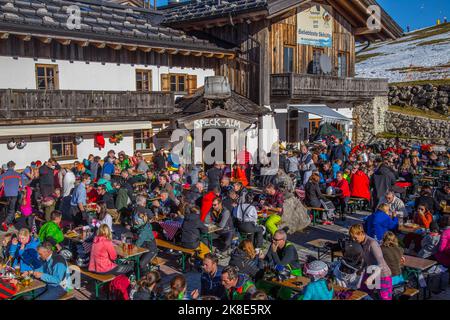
328 115
327 130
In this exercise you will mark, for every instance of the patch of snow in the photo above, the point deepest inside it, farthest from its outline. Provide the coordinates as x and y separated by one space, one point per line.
406 54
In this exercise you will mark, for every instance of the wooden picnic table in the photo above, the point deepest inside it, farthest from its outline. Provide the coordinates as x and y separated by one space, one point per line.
75 238
408 229
415 266
322 249
418 263
435 168
255 189
133 255
299 283
212 228
29 290
356 294
295 283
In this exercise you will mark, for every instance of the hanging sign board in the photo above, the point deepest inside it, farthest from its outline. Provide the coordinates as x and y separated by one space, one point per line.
221 123
315 26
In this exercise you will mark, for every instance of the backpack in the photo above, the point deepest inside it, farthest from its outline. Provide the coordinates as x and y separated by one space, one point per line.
118 288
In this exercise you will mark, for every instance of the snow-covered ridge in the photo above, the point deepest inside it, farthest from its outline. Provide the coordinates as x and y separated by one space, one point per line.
419 55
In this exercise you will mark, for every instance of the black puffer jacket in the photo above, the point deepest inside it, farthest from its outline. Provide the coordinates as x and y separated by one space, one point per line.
246 265
191 230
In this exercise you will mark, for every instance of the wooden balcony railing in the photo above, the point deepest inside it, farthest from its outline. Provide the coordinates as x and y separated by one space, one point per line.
294 86
73 105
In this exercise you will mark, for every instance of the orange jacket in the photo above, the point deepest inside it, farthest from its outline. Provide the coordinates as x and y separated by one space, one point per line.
239 175
424 220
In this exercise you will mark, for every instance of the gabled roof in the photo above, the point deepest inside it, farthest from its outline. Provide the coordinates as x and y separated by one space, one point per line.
236 103
210 9
196 14
100 21
217 112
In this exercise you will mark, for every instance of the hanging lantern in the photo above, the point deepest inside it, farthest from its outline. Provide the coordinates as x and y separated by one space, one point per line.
22 144
11 144
78 140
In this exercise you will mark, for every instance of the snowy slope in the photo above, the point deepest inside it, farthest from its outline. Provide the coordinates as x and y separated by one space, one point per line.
420 55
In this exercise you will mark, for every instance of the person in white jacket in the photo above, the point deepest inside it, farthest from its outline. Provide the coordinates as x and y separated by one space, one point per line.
68 182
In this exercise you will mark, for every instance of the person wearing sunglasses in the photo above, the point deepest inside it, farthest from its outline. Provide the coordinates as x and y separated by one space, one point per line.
221 216
282 253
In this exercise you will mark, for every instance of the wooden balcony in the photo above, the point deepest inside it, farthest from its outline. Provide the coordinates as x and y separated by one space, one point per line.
292 87
41 106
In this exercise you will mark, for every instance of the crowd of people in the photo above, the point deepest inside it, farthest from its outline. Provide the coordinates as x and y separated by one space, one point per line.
125 198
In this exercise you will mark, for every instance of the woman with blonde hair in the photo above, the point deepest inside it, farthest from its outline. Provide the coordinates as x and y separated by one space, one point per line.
372 259
103 254
393 255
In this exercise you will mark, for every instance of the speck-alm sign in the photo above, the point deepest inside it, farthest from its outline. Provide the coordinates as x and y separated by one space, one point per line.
315 26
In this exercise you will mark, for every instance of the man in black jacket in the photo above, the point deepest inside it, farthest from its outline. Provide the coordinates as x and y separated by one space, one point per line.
382 181
160 160
337 151
106 197
214 175
282 252
47 177
191 231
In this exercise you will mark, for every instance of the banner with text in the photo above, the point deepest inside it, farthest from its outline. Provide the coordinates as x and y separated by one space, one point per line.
315 26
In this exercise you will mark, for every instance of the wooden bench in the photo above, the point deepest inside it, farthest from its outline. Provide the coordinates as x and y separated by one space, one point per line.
411 292
157 262
184 251
69 295
315 212
99 279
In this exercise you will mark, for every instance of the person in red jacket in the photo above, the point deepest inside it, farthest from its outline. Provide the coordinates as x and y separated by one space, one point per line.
359 184
103 254
342 192
207 202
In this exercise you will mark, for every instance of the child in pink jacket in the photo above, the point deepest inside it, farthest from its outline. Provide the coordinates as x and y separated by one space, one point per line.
443 254
26 208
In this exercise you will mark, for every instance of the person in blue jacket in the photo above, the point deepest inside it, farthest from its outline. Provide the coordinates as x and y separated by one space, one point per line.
23 251
53 272
108 167
379 222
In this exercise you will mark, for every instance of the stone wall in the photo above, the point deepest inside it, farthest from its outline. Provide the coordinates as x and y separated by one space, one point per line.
373 118
418 128
426 97
370 118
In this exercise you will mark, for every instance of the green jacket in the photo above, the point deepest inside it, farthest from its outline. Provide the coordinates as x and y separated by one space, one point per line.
122 199
52 230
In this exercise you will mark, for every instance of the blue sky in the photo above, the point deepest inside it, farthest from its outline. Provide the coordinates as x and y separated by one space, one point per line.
415 13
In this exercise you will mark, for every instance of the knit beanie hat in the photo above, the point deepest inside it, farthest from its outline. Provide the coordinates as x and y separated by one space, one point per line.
316 269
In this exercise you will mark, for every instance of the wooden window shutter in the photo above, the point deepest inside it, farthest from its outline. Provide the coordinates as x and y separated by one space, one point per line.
165 82
192 83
